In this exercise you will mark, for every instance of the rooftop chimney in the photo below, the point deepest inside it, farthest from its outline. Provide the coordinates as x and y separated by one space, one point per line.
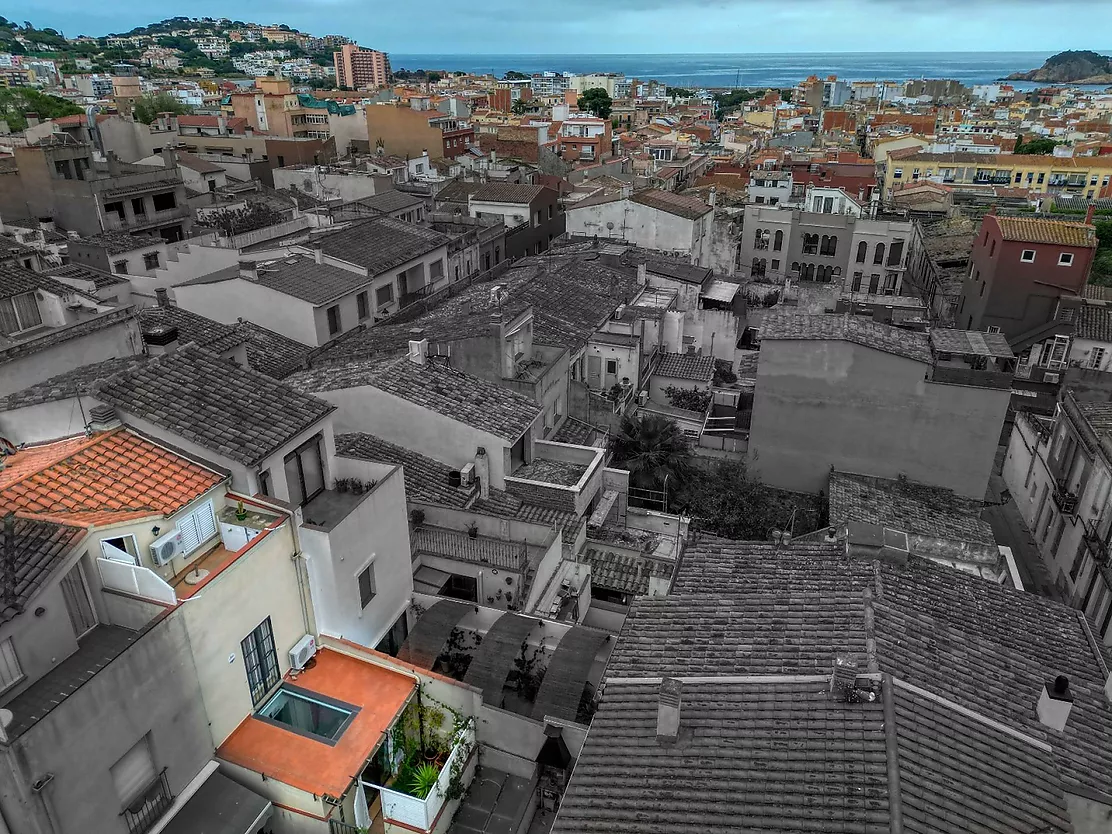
713 196
482 472
318 253
249 270
160 339
162 297
1089 215
642 274
169 157
668 710
113 163
1055 703
103 418
418 351
465 306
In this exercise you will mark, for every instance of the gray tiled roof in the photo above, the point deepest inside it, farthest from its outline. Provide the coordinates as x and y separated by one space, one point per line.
1094 321
747 608
16 280
623 571
386 202
69 384
116 243
380 244
908 506
426 480
971 342
295 275
688 273
849 328
39 340
36 549
101 280
192 327
692 366
433 385
682 205
506 192
194 394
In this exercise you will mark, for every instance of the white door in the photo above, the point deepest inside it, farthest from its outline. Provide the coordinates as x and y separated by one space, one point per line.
120 549
75 590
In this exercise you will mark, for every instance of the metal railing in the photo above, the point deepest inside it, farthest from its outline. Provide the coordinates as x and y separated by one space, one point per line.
148 809
1064 498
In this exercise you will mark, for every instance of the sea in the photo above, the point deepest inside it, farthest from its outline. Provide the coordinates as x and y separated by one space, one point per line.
748 70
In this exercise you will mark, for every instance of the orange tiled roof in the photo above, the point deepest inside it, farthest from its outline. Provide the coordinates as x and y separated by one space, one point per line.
311 765
1040 230
112 476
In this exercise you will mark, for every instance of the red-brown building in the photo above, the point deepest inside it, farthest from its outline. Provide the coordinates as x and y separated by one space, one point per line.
1021 269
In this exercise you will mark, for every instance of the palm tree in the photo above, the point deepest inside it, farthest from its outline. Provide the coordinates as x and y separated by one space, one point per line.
654 450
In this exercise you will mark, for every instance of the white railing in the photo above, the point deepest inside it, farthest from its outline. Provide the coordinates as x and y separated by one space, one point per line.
421 814
136 580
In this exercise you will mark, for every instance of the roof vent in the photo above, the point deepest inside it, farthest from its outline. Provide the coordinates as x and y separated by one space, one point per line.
668 710
103 418
1055 703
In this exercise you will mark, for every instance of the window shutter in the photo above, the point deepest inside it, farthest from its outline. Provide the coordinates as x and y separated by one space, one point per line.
190 538
10 671
134 772
197 527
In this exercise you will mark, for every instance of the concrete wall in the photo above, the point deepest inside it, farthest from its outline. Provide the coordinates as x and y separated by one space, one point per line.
119 339
259 584
1087 815
413 427
152 688
327 184
227 301
376 531
819 404
644 226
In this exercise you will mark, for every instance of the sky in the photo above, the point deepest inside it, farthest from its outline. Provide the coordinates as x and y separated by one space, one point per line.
629 26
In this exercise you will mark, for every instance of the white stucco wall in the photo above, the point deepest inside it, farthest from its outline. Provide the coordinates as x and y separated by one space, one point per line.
228 301
644 226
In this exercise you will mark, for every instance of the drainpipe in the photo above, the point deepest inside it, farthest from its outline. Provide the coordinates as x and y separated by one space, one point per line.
39 787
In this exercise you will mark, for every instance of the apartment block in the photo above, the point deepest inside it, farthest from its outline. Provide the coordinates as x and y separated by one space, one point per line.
359 69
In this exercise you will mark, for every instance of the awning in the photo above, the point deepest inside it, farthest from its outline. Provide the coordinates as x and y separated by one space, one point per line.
220 806
494 658
562 686
722 291
426 641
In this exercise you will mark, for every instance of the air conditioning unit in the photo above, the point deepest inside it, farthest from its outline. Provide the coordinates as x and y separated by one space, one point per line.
467 474
303 652
166 547
643 398
1051 378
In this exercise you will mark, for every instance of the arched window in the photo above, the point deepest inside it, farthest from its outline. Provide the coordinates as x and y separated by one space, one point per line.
810 244
757 237
795 269
829 245
878 255
808 272
836 276
778 240
758 268
862 251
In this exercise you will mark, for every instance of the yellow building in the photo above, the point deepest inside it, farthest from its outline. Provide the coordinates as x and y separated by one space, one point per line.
1085 176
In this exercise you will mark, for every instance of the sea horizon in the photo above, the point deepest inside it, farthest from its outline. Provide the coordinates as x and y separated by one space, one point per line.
724 69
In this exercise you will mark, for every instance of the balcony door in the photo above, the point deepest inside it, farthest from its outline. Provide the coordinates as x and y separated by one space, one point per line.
305 473
75 591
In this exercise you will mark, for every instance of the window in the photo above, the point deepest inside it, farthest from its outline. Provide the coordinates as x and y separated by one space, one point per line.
992 249
436 270
304 472
897 173
75 592
612 366
212 185
1096 357
138 207
150 260
878 254
829 245
260 660
982 292
307 714
775 265
1065 259
992 328
197 527
857 278
778 240
550 212
1042 177
862 251
874 283
265 486
164 202
810 244
384 295
363 305
1027 256
333 319
116 208
367 585
19 313
11 672
134 772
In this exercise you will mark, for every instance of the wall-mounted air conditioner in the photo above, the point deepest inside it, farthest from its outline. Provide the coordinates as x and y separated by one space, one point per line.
1051 378
166 547
467 474
303 651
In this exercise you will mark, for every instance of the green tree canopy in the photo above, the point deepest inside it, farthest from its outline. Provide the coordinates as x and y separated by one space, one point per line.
149 106
519 107
655 452
514 75
596 101
17 102
1036 146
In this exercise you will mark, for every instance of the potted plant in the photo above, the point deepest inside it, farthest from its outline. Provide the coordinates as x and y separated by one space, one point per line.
473 530
356 486
343 484
424 780
417 518
241 511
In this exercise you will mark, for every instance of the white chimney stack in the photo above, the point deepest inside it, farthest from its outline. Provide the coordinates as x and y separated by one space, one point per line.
668 706
1055 703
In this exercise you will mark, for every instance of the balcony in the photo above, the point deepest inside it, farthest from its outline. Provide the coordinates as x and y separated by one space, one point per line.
113 222
148 809
1064 499
463 547
1097 546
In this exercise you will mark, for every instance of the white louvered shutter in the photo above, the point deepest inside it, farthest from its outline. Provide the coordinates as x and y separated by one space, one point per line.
197 527
134 772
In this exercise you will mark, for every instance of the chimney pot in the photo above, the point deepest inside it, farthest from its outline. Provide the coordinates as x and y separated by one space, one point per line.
669 703
1055 703
318 253
1089 215
103 418
249 270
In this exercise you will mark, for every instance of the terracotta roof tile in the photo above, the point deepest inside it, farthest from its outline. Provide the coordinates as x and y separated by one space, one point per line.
110 477
849 328
1041 230
691 366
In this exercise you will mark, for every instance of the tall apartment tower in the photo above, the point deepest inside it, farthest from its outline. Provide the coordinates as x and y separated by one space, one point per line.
358 68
